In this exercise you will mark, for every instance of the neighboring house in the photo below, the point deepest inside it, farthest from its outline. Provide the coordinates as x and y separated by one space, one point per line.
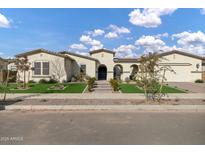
45 65
103 65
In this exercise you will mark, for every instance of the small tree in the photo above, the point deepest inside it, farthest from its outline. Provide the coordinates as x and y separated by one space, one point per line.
4 83
57 70
151 76
23 66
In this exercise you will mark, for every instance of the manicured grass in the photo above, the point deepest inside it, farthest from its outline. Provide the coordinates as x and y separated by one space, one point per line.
168 89
44 88
132 88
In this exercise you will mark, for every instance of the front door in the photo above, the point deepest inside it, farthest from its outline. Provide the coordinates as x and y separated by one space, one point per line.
102 72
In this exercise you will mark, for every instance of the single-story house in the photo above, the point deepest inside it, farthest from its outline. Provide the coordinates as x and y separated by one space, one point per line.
103 65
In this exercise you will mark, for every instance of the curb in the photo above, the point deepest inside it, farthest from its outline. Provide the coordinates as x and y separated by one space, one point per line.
105 107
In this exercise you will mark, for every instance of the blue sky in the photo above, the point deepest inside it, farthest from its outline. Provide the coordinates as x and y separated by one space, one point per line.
129 32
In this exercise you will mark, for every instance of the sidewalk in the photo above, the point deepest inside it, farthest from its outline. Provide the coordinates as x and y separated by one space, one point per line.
102 96
180 108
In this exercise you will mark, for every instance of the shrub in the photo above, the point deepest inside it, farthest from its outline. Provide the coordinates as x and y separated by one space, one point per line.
52 81
199 81
114 84
31 81
80 77
42 81
90 83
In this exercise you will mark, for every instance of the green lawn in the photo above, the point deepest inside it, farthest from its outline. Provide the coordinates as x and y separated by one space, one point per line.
44 88
132 88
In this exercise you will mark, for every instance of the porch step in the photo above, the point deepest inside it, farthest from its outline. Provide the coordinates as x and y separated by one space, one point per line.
102 87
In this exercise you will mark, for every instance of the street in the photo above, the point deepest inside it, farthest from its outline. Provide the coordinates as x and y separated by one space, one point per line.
102 127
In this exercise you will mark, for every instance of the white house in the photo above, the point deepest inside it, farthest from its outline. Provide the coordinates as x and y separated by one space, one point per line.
103 65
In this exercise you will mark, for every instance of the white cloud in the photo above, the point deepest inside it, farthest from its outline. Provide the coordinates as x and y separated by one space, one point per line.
126 51
86 39
116 31
192 41
119 30
96 47
111 35
202 11
161 35
151 44
96 32
149 18
78 46
4 22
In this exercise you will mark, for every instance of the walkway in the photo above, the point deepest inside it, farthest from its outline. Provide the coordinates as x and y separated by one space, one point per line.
102 86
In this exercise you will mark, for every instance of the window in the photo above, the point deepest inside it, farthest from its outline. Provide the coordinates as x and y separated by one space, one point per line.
41 68
83 69
37 68
45 68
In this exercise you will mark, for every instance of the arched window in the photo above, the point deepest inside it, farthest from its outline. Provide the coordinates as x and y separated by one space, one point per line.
134 71
118 70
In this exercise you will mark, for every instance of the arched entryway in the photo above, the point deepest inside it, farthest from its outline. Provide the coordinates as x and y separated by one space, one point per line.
134 71
102 72
118 70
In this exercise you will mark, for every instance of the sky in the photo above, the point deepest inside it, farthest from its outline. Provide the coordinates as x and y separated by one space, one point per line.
128 32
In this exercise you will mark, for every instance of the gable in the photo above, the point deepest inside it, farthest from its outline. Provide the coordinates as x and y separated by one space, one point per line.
100 51
180 53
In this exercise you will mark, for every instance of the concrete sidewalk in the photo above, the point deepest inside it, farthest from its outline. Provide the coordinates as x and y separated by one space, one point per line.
102 96
180 108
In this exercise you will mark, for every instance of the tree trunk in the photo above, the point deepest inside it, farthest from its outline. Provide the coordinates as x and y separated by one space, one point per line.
146 95
24 79
161 86
6 86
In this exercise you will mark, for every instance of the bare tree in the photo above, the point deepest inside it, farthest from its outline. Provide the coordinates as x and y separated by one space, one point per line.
58 70
23 65
151 76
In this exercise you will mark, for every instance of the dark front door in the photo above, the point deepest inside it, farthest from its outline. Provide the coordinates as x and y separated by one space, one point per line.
102 73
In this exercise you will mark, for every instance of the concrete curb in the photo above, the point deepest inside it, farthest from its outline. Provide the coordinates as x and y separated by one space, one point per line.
102 96
105 107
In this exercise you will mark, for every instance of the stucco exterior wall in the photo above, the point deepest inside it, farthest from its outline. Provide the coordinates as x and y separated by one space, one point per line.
127 69
105 59
90 65
184 66
65 68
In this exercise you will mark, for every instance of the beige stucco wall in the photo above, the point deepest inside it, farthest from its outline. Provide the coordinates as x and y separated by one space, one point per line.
90 65
127 69
60 63
187 71
106 59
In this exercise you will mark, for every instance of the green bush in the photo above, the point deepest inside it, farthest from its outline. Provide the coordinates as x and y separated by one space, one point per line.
114 84
90 83
52 81
42 81
199 81
31 81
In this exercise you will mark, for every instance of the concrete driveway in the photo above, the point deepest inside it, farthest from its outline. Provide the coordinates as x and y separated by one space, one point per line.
192 87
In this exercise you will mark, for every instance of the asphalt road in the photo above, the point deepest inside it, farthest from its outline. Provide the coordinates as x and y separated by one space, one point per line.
102 127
